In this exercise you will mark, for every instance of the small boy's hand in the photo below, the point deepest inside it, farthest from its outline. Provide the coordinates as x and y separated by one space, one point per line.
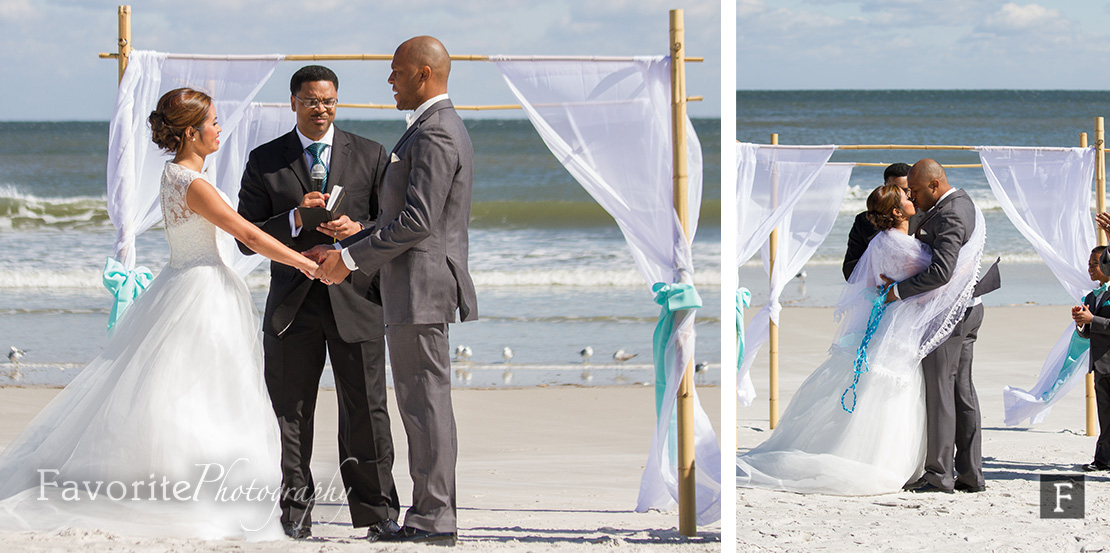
1081 315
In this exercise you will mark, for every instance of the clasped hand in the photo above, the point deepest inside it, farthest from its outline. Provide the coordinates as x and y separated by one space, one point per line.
890 295
1081 315
331 268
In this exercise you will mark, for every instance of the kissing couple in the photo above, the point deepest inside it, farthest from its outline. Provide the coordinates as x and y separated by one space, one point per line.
893 406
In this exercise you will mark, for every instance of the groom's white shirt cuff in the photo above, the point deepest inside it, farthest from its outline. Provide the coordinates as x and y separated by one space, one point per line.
347 259
294 230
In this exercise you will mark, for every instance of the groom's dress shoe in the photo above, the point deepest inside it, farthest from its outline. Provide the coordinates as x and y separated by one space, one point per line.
382 528
929 488
968 488
408 534
296 531
1095 467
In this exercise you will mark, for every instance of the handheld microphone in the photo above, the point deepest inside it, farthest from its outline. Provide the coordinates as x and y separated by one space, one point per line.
318 175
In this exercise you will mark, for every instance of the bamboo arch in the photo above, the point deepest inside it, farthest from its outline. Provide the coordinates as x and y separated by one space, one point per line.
687 501
1100 206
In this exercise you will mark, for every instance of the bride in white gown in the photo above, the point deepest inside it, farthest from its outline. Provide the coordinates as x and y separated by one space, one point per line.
856 428
169 431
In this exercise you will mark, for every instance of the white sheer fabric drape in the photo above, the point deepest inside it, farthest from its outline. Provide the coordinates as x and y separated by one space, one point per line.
771 181
259 124
800 233
609 124
1046 193
135 164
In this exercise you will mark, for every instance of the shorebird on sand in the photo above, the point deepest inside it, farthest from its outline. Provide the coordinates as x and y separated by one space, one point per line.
507 354
586 353
620 356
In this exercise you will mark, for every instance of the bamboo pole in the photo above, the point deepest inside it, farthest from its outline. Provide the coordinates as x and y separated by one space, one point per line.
1100 206
773 330
389 57
687 495
124 40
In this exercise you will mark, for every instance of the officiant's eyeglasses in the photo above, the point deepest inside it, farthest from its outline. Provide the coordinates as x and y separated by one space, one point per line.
312 103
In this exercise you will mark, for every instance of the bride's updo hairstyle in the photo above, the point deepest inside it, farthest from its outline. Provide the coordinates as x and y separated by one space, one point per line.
881 204
177 110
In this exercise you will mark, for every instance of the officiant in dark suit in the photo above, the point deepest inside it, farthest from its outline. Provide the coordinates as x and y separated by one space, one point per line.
305 320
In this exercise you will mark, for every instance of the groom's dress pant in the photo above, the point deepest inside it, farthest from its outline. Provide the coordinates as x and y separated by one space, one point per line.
953 425
294 363
421 361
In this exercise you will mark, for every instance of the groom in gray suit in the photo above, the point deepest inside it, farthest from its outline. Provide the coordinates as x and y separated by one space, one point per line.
951 404
420 244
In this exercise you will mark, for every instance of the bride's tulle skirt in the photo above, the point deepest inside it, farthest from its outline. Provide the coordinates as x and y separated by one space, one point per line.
168 432
818 447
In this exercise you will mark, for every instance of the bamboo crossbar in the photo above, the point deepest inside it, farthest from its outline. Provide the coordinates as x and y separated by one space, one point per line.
953 166
903 147
389 57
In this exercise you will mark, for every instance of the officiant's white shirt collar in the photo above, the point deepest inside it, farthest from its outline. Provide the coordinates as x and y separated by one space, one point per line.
326 139
416 113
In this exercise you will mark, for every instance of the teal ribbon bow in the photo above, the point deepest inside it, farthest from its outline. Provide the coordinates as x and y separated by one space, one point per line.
672 298
743 301
124 285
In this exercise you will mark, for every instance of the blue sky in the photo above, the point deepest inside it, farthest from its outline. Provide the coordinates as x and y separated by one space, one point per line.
923 44
52 72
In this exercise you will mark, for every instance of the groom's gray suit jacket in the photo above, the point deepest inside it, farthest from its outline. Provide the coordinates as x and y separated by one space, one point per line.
945 228
951 404
421 243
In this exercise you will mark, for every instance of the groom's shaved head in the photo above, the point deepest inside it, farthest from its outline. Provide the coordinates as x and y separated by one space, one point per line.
419 71
928 183
429 51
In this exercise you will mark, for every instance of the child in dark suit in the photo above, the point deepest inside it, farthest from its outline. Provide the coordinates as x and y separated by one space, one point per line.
1092 320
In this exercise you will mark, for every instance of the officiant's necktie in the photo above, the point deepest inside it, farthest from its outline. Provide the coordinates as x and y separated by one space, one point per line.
316 149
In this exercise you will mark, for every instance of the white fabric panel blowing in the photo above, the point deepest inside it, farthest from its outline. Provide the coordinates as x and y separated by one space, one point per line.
771 181
609 123
1046 193
135 164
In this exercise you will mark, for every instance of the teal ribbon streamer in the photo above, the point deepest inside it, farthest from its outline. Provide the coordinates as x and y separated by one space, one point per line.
124 285
860 366
743 301
1076 347
672 298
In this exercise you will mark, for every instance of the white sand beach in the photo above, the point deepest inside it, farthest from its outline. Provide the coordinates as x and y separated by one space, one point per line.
1012 345
540 469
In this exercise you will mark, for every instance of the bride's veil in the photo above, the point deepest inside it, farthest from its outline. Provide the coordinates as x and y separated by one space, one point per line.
920 322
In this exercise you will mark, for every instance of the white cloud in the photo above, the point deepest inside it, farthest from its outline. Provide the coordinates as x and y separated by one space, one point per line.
14 10
1012 18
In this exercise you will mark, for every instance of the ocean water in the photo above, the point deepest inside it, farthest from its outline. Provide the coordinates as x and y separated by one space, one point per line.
1050 118
552 271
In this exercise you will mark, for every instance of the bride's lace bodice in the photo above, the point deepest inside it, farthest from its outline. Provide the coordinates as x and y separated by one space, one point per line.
191 237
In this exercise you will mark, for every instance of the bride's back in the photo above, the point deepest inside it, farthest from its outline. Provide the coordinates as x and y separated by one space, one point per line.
192 238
